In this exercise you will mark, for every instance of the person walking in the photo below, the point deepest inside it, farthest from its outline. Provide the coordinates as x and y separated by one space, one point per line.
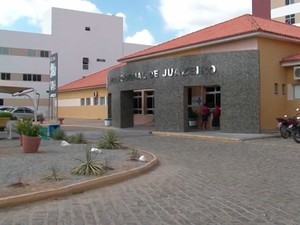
204 112
216 117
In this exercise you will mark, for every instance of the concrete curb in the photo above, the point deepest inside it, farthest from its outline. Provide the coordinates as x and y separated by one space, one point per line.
79 187
196 136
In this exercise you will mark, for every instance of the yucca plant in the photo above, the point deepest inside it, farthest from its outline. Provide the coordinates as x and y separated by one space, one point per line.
90 166
110 140
134 154
54 175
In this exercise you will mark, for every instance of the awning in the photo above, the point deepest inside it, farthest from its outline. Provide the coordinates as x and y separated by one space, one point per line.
12 89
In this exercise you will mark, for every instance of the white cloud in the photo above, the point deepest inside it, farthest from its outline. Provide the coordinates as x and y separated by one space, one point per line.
142 37
37 12
190 15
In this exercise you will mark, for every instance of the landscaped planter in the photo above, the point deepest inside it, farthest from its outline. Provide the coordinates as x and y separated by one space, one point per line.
30 144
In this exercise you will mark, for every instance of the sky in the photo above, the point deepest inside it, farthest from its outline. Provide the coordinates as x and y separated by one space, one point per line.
144 21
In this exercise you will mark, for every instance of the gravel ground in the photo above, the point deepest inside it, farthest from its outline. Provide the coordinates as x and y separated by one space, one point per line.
30 168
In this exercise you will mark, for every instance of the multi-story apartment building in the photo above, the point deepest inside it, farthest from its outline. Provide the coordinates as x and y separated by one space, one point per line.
287 11
84 42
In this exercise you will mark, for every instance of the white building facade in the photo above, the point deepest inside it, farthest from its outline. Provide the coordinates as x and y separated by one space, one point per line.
84 42
287 11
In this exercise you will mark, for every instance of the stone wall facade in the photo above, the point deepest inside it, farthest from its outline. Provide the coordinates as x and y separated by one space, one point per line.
237 73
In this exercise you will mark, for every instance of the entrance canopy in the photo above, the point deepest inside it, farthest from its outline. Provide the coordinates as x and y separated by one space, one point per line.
12 89
22 91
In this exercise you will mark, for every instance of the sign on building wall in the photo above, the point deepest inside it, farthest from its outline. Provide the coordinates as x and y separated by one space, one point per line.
53 76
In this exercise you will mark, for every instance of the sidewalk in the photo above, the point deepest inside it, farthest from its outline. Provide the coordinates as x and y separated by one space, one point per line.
207 134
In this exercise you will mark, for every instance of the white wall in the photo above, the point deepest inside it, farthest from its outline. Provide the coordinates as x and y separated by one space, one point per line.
72 42
285 10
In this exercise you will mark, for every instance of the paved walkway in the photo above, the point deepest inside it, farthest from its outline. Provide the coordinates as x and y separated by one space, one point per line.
199 181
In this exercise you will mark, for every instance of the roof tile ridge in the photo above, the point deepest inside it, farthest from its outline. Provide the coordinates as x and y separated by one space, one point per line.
254 22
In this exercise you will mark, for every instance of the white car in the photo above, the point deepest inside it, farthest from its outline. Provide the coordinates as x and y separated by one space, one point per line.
23 112
5 108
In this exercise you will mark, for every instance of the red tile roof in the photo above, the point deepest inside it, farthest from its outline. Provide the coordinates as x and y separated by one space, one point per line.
291 58
94 80
243 25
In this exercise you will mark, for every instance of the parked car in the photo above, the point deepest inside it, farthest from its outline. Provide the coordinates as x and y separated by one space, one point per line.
5 108
23 112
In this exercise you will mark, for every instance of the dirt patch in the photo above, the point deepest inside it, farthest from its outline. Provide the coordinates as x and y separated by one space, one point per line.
28 186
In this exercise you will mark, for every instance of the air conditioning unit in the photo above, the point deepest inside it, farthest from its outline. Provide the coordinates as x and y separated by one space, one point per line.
297 73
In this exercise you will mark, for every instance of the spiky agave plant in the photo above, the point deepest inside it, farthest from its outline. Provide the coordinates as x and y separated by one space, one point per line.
89 166
110 140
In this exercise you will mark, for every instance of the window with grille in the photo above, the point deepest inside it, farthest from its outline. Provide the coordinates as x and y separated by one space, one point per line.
213 96
82 101
95 101
276 91
283 89
289 2
296 91
5 76
102 101
290 19
150 102
88 101
32 77
137 102
85 63
44 54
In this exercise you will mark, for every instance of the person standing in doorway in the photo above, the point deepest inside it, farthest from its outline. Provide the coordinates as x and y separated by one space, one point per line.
204 115
216 117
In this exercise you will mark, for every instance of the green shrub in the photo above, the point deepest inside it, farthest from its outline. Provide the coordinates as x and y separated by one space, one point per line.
28 128
58 134
21 124
110 140
6 114
76 138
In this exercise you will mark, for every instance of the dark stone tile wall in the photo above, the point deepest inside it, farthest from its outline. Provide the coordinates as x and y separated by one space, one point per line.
236 72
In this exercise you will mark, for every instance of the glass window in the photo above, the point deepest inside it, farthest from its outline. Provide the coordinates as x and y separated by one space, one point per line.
5 76
290 19
88 101
44 54
137 102
85 63
36 77
213 96
82 101
288 2
31 52
4 51
95 101
150 102
297 91
283 89
276 91
102 100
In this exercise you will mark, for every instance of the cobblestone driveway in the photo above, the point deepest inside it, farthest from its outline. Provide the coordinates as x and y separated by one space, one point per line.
203 182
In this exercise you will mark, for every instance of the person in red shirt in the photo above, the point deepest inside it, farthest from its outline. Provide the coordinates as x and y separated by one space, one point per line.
204 112
216 117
